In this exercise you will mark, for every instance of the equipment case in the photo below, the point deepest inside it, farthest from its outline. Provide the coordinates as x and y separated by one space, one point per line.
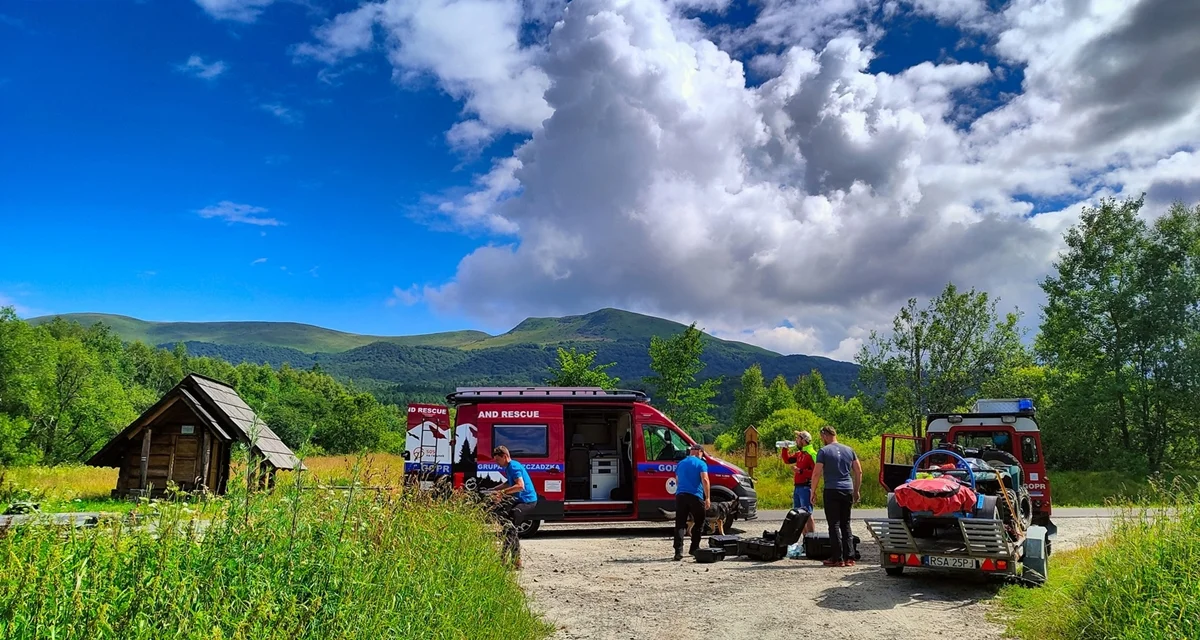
760 549
728 543
817 546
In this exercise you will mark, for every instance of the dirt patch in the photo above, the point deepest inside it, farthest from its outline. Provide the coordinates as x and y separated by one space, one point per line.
621 583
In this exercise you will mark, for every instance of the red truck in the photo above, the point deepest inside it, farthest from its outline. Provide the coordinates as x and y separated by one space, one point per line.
1007 530
594 455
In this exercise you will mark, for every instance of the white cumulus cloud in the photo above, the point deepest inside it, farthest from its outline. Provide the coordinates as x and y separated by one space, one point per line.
233 212
801 212
472 48
196 66
234 10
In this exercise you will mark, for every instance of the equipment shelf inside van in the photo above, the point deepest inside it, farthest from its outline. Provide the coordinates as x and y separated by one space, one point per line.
594 455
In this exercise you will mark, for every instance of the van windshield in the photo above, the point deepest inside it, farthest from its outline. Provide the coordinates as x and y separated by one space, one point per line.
663 443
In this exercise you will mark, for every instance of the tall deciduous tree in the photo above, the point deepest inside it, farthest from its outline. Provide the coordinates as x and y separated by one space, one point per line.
938 356
676 363
749 401
779 395
576 369
1121 329
810 392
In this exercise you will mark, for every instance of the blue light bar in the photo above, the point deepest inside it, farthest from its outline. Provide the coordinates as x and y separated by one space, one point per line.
1025 404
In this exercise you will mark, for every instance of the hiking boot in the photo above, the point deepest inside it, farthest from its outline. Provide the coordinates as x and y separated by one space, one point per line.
678 555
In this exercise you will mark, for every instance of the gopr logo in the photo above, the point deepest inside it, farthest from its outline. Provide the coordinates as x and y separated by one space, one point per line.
672 486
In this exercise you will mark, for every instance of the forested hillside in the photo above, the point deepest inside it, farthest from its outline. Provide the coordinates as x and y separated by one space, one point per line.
65 390
406 367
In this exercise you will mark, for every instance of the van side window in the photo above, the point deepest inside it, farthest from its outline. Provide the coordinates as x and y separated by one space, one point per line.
663 444
522 440
1029 452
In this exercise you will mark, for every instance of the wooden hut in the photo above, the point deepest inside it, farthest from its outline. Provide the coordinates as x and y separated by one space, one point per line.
187 437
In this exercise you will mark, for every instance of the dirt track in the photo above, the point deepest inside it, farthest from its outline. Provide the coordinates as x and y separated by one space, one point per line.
620 582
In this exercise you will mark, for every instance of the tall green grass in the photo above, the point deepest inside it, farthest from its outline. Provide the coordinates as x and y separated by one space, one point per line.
294 563
773 482
773 478
1141 583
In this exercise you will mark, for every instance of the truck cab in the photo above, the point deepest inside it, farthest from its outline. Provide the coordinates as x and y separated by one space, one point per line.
993 428
594 455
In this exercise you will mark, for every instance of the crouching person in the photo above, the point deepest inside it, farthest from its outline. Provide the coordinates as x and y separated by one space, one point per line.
517 499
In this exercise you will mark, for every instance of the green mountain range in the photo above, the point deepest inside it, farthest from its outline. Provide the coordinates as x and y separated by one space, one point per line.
399 368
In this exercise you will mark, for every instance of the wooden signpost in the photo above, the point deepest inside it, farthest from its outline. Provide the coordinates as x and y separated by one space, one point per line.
751 449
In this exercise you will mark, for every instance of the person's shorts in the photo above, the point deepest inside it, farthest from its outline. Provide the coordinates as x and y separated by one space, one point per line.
802 498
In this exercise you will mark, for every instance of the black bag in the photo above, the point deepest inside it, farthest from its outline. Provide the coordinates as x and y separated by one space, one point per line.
817 546
793 523
728 543
710 554
760 549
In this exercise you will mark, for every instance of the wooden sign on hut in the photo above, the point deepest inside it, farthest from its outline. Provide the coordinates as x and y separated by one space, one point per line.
187 438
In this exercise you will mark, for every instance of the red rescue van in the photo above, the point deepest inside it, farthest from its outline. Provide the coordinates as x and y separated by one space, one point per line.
593 455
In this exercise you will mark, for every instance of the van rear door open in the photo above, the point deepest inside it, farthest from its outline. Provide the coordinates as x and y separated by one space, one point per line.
533 434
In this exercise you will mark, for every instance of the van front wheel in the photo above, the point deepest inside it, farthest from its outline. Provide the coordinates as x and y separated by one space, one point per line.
528 528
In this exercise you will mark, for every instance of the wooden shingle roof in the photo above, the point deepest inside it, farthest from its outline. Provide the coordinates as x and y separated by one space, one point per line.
222 409
226 401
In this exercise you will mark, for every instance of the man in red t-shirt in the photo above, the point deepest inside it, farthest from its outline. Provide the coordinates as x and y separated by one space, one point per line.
803 461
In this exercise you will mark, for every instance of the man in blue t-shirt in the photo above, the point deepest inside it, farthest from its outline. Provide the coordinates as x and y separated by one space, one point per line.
691 498
519 499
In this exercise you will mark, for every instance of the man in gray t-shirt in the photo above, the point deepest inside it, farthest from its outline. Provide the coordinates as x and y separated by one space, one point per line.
841 470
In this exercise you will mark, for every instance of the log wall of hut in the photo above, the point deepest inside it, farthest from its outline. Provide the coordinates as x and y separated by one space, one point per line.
173 455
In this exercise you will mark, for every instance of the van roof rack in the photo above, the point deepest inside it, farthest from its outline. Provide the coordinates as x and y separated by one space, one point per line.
465 395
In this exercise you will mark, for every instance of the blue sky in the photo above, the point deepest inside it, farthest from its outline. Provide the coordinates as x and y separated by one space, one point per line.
394 167
111 150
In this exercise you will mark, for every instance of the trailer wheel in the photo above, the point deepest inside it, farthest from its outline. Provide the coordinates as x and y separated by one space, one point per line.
528 528
894 571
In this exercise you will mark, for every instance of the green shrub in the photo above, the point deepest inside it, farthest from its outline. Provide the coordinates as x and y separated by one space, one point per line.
783 423
773 478
296 563
725 443
1140 583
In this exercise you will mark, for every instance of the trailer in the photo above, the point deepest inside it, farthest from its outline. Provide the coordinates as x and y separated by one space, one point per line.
975 540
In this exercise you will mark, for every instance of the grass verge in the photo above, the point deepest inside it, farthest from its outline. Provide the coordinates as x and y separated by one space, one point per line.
297 562
1140 583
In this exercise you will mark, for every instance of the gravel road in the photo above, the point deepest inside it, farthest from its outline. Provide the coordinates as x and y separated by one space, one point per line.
618 581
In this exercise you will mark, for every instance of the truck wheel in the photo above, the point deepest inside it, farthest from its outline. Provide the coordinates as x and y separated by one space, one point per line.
1025 508
528 528
894 571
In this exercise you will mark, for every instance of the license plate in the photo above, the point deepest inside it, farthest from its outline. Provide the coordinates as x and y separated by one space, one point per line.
950 563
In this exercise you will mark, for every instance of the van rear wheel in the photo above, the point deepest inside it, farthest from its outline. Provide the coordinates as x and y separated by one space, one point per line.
528 528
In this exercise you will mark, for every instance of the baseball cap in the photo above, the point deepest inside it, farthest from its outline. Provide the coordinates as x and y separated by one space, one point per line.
696 447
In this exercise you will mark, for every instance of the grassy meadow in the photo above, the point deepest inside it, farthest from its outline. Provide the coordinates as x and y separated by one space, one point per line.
297 562
1141 583
773 481
81 488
